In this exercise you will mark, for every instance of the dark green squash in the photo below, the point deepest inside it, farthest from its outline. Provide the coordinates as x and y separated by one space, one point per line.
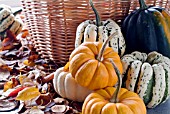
147 29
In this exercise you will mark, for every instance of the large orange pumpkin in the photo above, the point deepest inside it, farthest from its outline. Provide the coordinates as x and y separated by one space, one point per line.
112 100
90 65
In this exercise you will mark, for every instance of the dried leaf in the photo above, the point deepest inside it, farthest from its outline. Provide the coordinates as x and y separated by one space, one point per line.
7 43
6 93
35 110
44 88
44 99
33 57
14 93
3 65
10 84
28 94
25 33
29 63
61 101
5 105
76 105
2 62
4 74
59 108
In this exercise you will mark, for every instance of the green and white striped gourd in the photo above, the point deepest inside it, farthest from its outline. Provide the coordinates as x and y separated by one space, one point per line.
148 76
91 31
9 22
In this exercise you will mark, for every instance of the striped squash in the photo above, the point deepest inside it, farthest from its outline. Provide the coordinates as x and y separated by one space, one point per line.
8 21
148 76
93 31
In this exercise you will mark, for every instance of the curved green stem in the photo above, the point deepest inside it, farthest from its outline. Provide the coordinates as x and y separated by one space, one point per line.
142 4
114 98
98 21
99 57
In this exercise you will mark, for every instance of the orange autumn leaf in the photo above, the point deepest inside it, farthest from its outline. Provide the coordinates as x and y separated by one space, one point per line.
7 43
5 67
28 94
10 84
33 57
25 33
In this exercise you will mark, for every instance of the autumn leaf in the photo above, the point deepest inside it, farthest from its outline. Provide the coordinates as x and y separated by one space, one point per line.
28 94
3 65
15 92
10 84
35 110
7 43
29 63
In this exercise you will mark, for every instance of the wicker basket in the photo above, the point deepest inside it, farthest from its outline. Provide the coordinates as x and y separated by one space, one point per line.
53 23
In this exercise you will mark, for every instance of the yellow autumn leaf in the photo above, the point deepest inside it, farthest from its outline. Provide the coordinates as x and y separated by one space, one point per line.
29 63
21 78
8 85
28 94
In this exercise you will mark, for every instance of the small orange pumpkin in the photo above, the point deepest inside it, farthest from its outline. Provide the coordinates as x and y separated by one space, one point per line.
113 101
90 65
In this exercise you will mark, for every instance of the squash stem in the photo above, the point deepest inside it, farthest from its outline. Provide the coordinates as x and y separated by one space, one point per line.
99 57
142 4
98 21
114 98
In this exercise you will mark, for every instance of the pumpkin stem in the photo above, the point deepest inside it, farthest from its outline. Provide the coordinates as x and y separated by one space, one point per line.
114 98
98 21
142 4
99 57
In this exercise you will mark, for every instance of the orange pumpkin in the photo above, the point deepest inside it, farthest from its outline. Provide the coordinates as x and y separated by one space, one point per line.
113 101
90 65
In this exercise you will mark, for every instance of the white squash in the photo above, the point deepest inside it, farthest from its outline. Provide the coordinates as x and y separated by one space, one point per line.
66 86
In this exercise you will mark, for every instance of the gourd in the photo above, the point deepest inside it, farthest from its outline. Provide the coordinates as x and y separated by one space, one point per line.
148 76
147 29
66 86
90 67
112 100
93 31
9 22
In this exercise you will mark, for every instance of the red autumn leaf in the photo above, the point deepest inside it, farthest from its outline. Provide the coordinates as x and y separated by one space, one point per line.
15 92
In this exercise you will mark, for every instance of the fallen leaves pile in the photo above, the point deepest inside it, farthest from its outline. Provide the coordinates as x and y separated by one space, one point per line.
26 79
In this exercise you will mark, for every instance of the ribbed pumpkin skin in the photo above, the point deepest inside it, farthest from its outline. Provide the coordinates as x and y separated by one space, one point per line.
66 86
147 30
98 103
148 76
88 71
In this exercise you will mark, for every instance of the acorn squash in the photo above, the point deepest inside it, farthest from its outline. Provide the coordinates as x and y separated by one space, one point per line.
147 29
